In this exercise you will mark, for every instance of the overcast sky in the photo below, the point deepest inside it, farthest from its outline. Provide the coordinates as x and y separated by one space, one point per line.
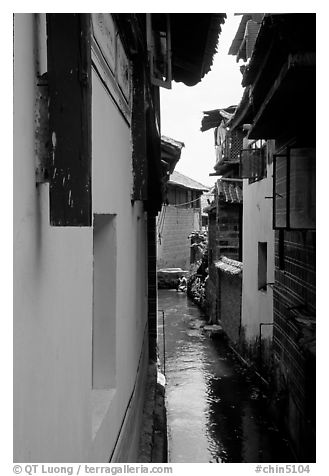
182 108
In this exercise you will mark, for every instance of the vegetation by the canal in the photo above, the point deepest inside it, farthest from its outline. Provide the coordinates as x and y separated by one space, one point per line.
197 279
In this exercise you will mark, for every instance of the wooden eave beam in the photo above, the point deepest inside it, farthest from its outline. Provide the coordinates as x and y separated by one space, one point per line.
236 121
301 61
241 54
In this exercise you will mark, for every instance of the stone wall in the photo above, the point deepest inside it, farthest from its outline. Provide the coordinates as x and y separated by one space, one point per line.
230 304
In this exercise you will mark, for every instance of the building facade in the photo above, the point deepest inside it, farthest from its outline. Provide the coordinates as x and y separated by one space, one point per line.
179 217
279 197
275 159
88 184
258 258
224 284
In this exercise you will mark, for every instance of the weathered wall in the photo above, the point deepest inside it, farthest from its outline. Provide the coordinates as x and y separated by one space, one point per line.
52 298
174 245
257 305
230 304
58 416
112 182
212 288
223 290
223 293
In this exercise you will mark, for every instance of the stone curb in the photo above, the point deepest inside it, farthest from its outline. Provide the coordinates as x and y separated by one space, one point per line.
153 439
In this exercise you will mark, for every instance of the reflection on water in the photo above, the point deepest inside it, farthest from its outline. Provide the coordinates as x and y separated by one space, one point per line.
214 413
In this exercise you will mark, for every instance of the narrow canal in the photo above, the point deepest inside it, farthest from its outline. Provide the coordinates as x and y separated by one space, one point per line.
215 413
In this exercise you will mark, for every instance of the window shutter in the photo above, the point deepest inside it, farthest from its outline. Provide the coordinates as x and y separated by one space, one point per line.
69 73
294 189
302 188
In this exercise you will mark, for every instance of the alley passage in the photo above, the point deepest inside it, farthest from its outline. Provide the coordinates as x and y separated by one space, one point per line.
215 412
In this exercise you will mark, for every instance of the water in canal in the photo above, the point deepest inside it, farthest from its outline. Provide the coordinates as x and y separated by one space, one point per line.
215 413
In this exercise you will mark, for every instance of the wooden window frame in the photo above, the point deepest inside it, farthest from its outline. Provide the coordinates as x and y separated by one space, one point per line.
276 195
69 85
262 266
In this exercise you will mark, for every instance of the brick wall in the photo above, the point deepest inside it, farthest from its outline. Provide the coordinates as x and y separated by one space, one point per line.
224 293
294 358
223 290
174 228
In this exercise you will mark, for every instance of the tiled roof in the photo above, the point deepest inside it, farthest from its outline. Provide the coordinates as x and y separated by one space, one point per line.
212 119
171 150
229 191
240 34
228 265
173 142
194 40
186 182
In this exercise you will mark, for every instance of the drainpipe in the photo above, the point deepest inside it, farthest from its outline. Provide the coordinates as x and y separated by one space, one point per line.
152 287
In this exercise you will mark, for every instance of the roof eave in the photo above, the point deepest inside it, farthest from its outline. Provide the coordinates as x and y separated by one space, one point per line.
194 39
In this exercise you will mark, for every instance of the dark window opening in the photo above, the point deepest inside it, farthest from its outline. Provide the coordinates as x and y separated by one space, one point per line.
253 161
294 189
262 266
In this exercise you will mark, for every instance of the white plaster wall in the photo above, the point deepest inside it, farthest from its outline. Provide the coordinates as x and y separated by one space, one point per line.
52 298
54 404
257 306
112 185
